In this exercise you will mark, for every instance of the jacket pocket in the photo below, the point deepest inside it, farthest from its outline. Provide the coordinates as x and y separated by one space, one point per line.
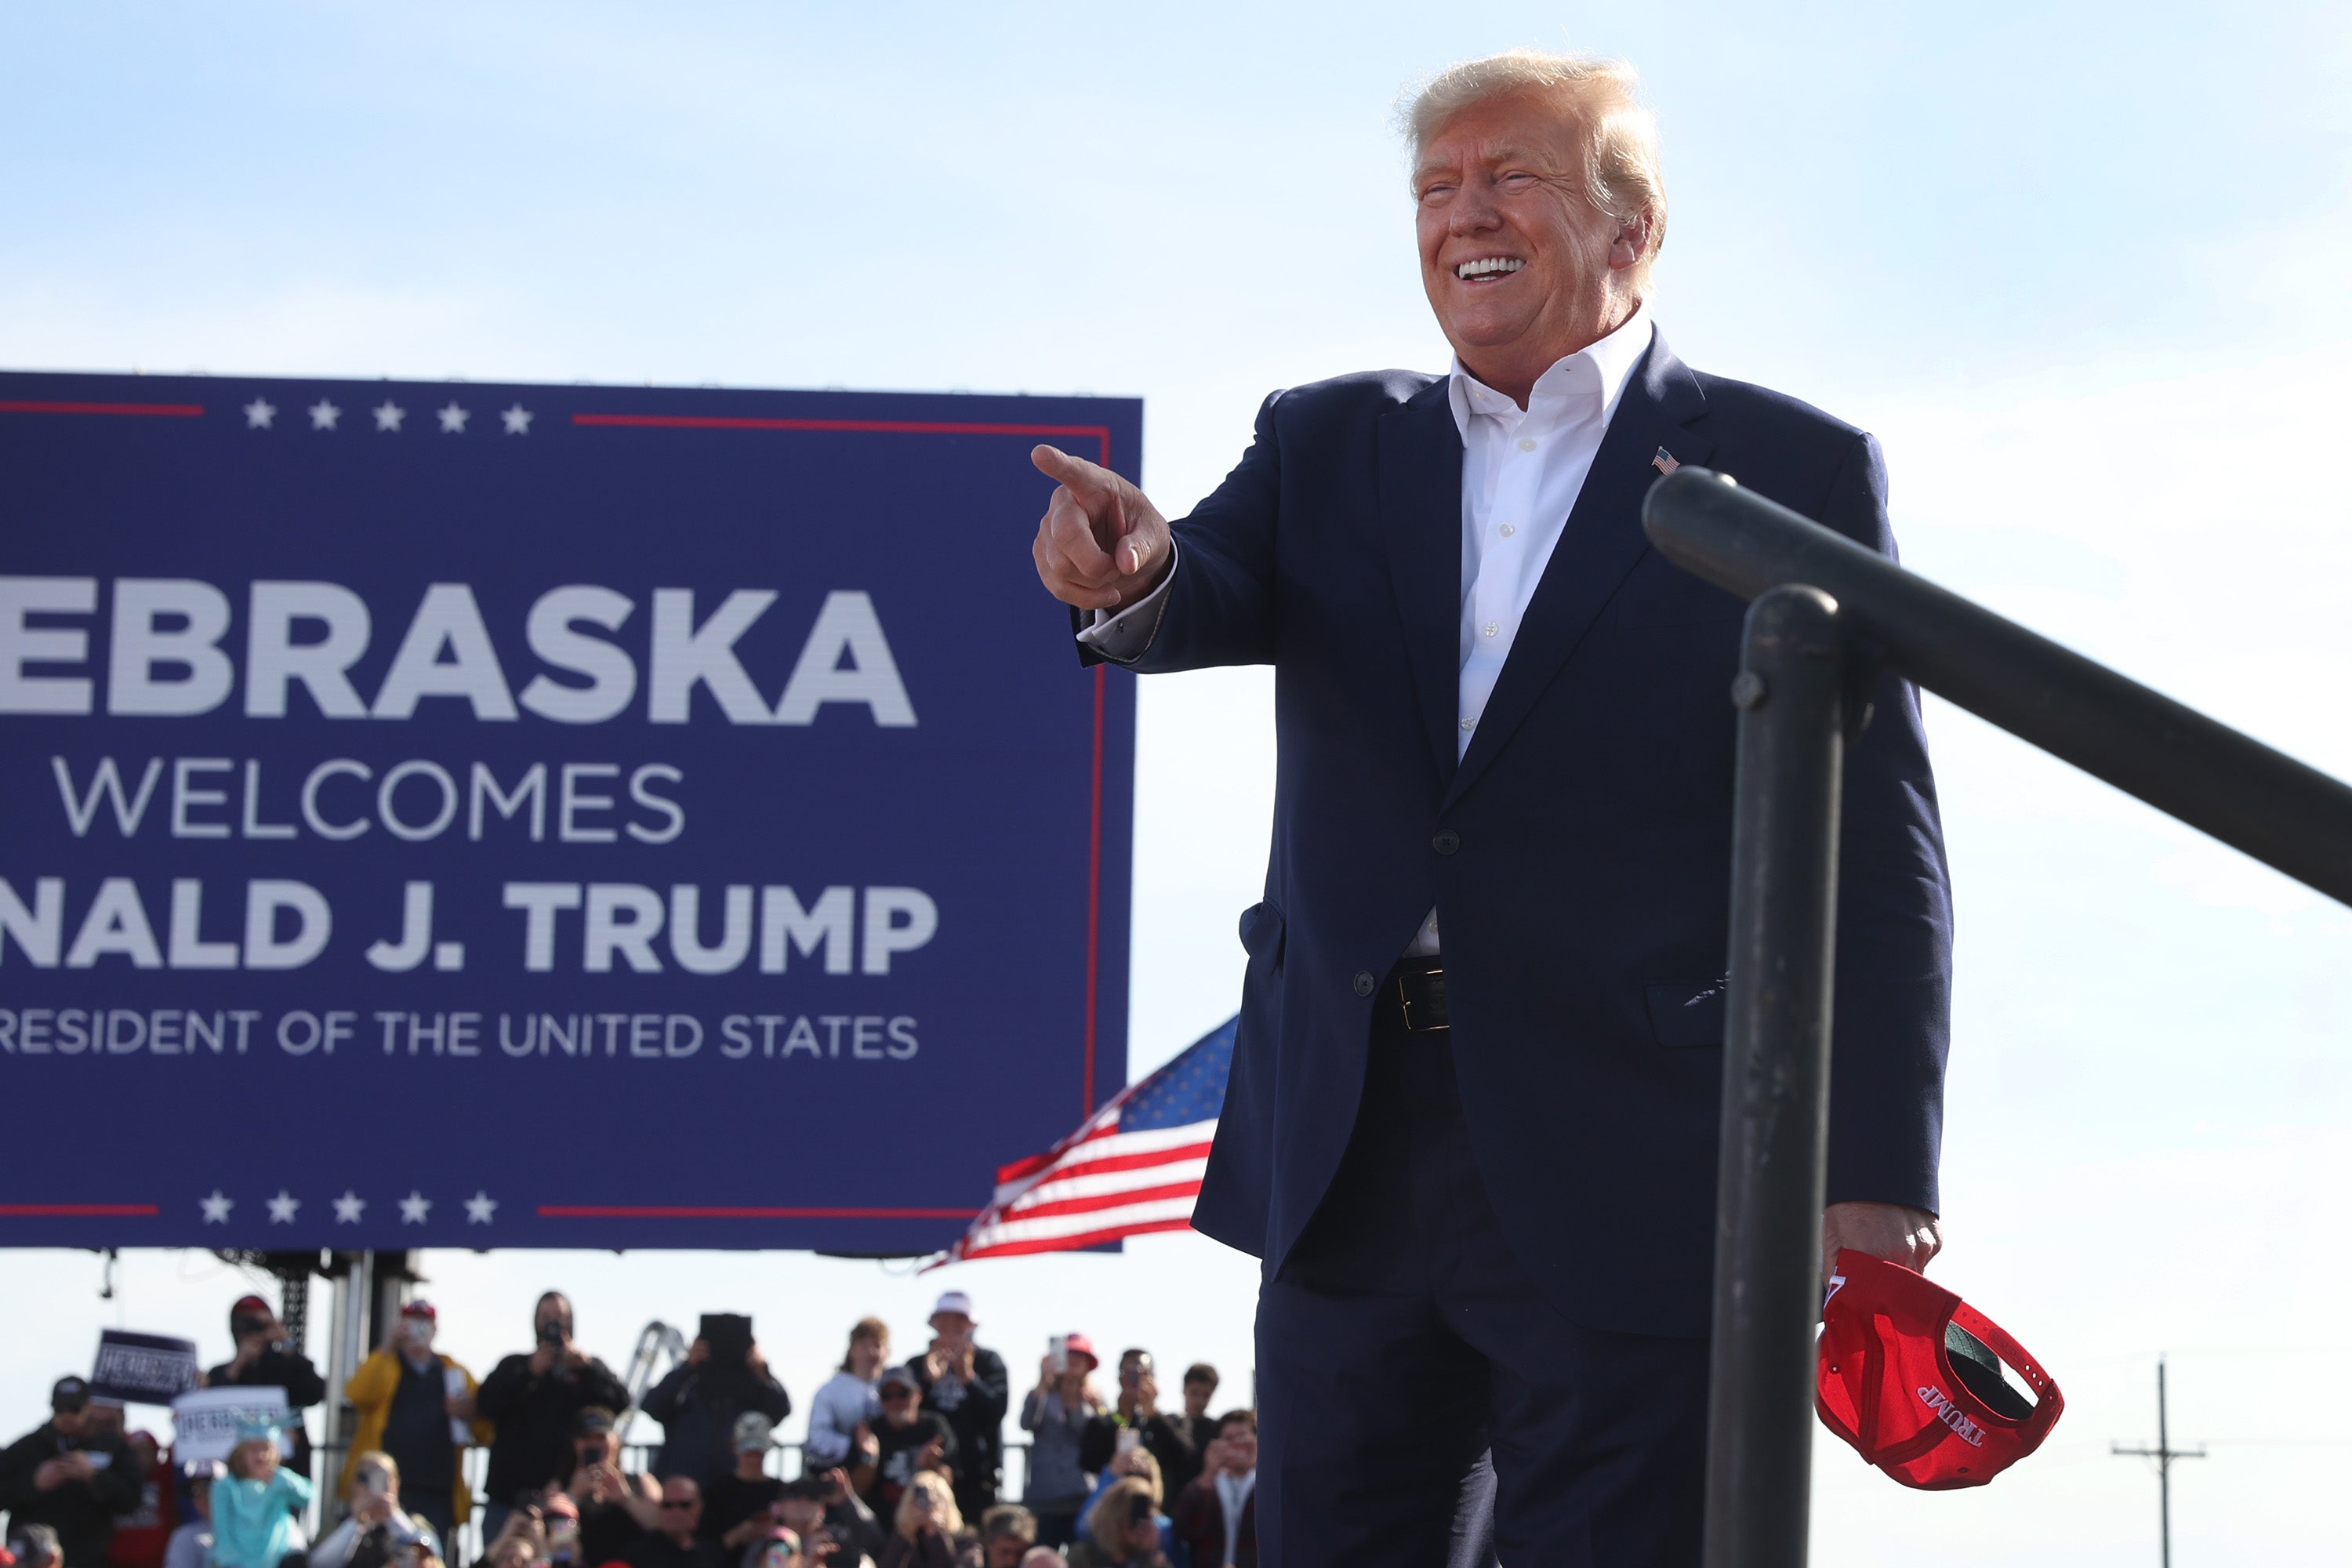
1690 1014
1262 930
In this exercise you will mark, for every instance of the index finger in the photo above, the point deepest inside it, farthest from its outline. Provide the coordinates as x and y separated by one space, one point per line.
1088 481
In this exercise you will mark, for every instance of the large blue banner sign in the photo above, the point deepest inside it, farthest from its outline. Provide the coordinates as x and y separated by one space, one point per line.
472 816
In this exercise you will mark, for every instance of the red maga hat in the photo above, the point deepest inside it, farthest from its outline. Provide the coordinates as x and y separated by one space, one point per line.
1911 1376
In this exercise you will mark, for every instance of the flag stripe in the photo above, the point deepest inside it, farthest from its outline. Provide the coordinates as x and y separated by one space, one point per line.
1108 1179
1024 1228
1074 1243
1103 1203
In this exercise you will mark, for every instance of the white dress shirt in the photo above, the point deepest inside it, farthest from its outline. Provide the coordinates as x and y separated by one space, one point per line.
1522 469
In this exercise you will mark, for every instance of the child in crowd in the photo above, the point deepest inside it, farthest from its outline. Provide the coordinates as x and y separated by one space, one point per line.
254 1507
191 1545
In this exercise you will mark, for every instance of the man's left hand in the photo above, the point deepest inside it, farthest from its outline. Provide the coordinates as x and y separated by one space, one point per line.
1899 1235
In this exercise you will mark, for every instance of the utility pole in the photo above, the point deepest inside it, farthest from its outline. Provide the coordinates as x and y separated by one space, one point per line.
2164 1453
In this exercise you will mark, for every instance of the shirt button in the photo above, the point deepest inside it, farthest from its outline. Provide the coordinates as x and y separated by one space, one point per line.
1527 444
1364 982
1492 628
1446 842
1469 724
1508 530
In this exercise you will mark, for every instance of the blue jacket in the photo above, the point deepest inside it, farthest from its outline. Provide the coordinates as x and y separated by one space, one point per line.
1584 912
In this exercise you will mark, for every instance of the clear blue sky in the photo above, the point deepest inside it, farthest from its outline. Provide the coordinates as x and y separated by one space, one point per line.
2080 267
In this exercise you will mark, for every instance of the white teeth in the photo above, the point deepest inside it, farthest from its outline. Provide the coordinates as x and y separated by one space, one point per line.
1488 264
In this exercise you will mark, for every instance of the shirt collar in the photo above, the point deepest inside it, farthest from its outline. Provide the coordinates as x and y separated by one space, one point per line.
1603 367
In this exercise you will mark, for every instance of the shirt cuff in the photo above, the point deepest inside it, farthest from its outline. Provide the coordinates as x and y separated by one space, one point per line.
1125 635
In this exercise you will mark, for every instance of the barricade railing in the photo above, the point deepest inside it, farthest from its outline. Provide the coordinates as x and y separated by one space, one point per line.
786 1461
1826 614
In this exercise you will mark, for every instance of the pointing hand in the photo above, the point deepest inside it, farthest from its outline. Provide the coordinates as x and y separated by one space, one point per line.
1101 544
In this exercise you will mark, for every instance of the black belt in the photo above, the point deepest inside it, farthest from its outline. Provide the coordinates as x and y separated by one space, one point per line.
1414 994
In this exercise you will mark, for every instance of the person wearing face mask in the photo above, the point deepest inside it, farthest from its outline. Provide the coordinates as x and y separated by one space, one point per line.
534 1398
267 1357
417 1405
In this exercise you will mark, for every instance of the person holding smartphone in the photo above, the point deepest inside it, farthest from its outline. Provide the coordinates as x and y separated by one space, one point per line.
416 1404
533 1397
1055 1415
378 1529
724 1377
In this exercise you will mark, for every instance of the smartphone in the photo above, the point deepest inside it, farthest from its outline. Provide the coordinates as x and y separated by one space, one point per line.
1057 1353
1129 1437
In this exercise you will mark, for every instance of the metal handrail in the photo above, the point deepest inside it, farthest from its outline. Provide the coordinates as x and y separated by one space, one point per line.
1826 612
2285 813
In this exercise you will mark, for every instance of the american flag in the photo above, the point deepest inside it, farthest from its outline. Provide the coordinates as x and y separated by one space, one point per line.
1133 1166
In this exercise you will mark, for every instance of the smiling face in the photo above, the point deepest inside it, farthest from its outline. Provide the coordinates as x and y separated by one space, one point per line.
1520 266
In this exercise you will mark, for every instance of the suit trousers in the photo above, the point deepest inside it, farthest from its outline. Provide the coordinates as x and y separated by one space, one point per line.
1402 1343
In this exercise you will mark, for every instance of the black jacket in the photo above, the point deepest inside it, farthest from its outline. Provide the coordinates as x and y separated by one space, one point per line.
534 1413
82 1512
697 1406
977 1418
1164 1434
290 1370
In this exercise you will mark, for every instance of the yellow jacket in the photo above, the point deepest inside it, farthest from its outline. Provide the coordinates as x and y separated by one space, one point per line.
369 1391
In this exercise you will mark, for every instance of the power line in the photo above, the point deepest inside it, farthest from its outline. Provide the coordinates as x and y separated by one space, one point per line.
2164 1454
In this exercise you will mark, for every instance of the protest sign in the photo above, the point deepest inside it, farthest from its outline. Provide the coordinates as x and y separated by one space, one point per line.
204 1421
143 1369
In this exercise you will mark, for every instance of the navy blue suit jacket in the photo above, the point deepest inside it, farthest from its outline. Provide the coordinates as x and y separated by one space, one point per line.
1585 913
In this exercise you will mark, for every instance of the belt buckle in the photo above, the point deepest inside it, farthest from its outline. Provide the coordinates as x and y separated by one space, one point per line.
1416 1019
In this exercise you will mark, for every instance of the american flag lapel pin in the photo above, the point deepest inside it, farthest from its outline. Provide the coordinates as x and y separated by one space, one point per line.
1665 461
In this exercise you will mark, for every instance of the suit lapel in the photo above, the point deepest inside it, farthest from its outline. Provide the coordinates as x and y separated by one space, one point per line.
1598 546
1421 520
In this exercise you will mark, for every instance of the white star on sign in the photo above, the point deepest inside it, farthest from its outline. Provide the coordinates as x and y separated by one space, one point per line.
479 1208
388 415
323 415
415 1207
453 420
349 1207
216 1207
282 1208
259 414
518 420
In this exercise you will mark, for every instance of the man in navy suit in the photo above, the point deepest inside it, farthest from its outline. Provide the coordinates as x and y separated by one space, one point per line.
1470 1127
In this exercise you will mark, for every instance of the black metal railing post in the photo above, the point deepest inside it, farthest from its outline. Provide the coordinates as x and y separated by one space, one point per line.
1790 692
1858 603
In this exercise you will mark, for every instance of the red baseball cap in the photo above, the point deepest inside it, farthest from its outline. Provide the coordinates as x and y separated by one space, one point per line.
1911 1375
1078 1344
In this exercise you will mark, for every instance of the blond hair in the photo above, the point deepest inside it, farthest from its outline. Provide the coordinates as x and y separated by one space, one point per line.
1114 1510
944 1512
1622 177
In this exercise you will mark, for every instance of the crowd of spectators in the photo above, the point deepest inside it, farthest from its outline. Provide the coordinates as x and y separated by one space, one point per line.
903 1465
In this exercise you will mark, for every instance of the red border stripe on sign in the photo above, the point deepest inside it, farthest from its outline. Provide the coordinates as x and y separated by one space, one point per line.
683 1211
78 1211
142 410
1101 435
